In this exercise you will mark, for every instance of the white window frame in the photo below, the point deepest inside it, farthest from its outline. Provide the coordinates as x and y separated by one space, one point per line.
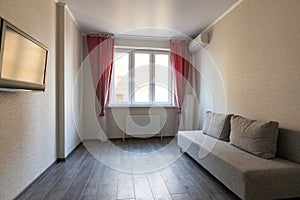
131 81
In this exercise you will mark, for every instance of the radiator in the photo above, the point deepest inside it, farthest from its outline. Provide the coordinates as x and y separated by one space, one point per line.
142 125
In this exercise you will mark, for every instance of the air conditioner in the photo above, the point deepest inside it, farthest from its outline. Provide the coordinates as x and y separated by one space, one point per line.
199 42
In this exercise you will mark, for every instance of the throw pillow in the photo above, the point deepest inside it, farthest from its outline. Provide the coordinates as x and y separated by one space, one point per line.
255 137
217 125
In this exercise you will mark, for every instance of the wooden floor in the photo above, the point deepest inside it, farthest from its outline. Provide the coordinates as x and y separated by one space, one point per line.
83 176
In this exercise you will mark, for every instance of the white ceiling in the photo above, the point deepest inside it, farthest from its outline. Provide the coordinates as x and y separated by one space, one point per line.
150 18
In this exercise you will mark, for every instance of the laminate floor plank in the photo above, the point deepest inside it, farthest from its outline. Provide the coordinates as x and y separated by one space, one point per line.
222 192
181 196
172 181
60 188
137 169
91 190
46 184
109 186
205 180
194 191
199 179
158 187
97 173
72 166
78 184
125 186
142 189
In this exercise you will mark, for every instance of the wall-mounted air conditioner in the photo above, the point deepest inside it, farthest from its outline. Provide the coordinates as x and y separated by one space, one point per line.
199 42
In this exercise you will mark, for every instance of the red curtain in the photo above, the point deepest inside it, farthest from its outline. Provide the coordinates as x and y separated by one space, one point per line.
179 59
101 52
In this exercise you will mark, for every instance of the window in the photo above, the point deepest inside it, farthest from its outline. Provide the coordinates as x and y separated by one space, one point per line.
141 78
120 76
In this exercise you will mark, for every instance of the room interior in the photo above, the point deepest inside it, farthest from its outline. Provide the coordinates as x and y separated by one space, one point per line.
243 59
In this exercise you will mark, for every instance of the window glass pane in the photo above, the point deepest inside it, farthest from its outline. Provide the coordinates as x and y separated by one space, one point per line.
162 78
142 77
121 77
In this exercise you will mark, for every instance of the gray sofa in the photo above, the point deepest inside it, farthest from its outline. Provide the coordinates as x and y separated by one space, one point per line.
247 175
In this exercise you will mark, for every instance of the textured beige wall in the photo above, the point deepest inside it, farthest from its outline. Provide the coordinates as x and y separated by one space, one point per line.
28 128
72 63
256 52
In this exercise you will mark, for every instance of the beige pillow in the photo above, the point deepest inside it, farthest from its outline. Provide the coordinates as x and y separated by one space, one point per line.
217 125
258 138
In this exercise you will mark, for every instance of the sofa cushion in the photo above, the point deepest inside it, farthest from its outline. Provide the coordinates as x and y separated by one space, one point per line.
258 138
217 125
